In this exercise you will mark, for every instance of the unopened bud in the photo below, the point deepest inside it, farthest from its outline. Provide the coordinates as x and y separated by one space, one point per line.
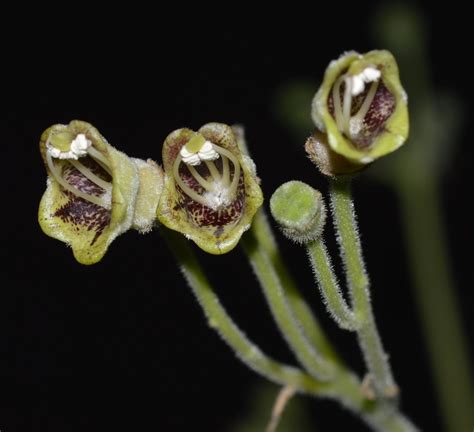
299 210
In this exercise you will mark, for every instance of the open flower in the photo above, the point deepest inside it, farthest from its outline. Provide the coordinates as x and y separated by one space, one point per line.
93 190
211 192
361 107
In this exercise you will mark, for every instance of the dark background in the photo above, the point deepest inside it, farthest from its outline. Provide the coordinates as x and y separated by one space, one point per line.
123 342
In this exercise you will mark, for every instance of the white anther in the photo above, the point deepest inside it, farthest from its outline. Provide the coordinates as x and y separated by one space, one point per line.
78 148
371 74
54 152
80 145
357 85
206 153
358 81
190 158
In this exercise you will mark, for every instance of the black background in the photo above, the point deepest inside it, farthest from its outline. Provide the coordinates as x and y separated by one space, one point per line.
124 343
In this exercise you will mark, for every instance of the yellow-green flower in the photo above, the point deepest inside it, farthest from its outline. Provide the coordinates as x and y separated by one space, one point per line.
93 190
362 107
211 192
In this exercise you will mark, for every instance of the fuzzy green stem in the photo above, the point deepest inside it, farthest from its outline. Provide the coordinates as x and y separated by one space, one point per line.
358 282
282 313
345 387
218 319
327 283
302 312
301 309
435 298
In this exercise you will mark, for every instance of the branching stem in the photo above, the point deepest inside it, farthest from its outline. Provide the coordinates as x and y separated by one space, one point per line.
358 282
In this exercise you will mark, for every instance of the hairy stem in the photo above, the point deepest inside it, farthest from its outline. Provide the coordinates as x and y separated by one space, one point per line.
358 282
344 387
281 310
219 319
302 312
327 283
301 309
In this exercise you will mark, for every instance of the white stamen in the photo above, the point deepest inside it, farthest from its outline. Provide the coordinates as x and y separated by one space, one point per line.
205 153
78 148
369 74
53 151
221 190
190 158
349 124
357 85
356 121
185 152
80 145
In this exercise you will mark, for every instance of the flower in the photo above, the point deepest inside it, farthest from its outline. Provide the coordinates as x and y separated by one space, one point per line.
211 192
93 192
362 107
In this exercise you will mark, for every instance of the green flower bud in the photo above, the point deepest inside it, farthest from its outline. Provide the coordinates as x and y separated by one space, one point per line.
211 192
94 192
299 210
362 107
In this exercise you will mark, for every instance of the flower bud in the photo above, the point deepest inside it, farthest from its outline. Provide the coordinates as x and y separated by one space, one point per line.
299 210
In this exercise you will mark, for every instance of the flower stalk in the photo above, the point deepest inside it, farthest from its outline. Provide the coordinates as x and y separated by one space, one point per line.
282 312
329 287
298 207
358 282
301 310
343 387
218 318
